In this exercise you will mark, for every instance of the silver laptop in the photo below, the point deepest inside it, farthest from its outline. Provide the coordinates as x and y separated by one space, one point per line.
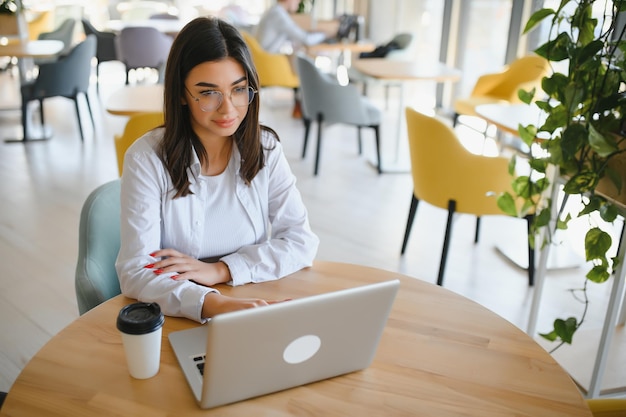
248 353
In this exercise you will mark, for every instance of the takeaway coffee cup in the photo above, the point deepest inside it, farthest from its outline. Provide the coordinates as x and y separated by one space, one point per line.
141 325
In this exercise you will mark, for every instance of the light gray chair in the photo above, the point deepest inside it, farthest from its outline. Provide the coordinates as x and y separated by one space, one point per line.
328 102
63 33
98 244
143 47
106 50
67 77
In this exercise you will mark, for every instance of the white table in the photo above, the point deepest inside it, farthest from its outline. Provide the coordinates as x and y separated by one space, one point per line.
404 71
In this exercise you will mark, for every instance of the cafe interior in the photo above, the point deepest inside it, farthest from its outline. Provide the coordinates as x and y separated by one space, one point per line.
357 193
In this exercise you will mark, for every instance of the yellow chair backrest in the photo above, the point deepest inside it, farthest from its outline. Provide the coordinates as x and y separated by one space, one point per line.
444 170
525 72
136 126
274 70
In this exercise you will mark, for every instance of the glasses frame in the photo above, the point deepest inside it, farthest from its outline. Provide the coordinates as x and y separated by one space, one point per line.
251 93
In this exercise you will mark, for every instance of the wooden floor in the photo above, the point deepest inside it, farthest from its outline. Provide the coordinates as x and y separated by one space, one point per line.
359 216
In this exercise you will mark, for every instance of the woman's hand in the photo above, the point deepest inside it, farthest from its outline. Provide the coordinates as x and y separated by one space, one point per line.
216 303
188 268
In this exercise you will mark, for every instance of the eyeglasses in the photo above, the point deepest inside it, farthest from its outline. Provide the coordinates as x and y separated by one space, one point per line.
212 99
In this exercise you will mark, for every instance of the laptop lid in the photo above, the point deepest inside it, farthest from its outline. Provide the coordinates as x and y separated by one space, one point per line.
263 350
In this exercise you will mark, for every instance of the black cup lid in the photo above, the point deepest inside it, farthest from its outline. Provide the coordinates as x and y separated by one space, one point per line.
140 318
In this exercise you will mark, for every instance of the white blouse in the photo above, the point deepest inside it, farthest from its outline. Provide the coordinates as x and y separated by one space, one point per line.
267 218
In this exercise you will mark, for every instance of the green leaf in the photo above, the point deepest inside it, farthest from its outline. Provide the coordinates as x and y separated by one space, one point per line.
526 96
590 50
592 205
549 336
512 163
598 274
573 138
609 212
601 144
543 218
597 244
565 329
557 49
561 224
506 203
581 183
527 133
537 17
522 186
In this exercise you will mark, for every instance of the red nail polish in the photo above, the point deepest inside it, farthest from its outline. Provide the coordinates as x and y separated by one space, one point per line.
149 266
158 271
174 277
152 254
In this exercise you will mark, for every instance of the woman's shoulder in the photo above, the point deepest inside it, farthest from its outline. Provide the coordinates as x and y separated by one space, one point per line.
148 142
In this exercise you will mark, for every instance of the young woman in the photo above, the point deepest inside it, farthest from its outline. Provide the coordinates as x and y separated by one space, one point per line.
209 197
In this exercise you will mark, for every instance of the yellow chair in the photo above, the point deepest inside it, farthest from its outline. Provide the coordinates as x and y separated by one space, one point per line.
502 87
40 22
607 407
448 176
274 70
136 126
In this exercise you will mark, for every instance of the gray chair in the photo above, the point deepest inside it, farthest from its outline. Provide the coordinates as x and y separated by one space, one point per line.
98 244
328 102
143 47
106 49
67 77
63 33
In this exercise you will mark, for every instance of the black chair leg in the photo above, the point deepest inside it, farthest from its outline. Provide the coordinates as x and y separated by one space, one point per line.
477 231
377 134
93 123
409 222
80 125
320 119
446 242
531 253
307 129
455 119
98 77
41 117
25 118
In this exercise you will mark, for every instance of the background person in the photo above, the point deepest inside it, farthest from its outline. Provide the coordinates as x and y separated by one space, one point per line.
209 197
277 32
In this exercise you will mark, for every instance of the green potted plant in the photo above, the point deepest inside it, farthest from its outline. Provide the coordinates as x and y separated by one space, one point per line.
585 107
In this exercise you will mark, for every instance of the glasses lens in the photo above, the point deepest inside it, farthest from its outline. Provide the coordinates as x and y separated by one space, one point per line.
242 96
210 101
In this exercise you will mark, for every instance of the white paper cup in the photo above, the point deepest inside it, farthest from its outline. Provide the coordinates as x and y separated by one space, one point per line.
141 326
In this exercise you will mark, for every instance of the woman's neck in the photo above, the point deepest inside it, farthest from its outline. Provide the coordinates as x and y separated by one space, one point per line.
218 154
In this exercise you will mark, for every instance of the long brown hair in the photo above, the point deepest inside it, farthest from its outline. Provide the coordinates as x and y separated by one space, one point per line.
201 40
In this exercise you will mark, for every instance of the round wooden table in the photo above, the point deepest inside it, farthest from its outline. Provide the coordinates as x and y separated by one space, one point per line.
440 355
134 99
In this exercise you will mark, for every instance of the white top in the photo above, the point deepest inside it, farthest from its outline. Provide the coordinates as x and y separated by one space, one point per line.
277 29
268 216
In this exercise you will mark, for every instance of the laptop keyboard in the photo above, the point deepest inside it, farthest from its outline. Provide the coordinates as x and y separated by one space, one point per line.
199 361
